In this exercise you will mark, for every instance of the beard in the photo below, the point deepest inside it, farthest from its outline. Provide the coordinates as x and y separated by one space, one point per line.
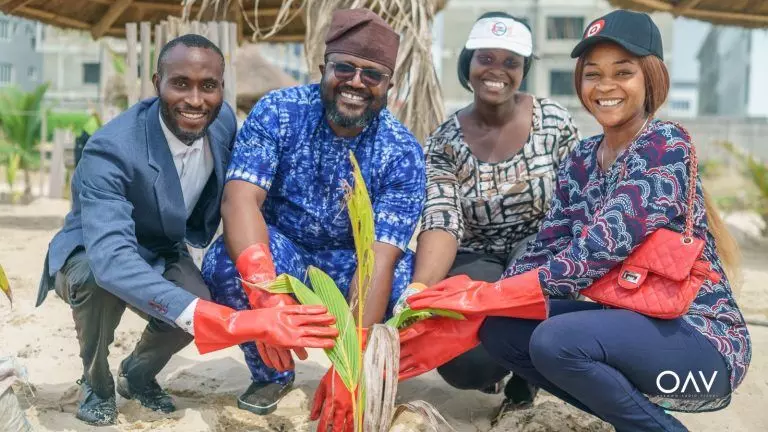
331 103
185 136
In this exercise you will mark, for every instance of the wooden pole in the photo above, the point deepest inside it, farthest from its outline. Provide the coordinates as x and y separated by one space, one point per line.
132 63
225 46
173 29
41 147
234 43
146 59
214 35
58 171
160 40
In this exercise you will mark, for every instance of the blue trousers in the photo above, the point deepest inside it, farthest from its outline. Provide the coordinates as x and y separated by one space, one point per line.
221 276
605 361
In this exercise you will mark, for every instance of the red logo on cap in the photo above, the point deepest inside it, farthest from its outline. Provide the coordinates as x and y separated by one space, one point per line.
595 28
498 28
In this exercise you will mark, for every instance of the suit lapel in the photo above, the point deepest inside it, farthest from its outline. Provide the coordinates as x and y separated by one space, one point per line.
167 187
220 153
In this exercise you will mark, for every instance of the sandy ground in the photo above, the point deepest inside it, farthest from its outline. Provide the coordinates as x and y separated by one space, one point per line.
206 386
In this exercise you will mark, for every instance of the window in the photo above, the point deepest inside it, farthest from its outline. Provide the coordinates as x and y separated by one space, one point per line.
32 73
6 73
680 105
5 30
565 27
91 73
561 83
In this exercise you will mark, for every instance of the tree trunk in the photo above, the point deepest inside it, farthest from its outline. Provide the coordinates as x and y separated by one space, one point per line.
27 184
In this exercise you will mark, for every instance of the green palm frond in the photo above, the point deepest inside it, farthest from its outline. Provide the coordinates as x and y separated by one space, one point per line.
345 354
5 287
361 217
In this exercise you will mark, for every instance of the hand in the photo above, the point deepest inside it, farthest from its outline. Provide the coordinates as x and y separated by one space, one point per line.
218 327
255 265
519 296
432 342
275 357
332 405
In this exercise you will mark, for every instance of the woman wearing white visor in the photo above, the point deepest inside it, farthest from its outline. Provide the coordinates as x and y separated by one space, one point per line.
490 174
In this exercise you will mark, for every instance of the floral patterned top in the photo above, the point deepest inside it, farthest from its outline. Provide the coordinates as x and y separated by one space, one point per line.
598 218
490 207
287 148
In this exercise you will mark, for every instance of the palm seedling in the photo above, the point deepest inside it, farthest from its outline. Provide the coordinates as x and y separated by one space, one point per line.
5 287
371 374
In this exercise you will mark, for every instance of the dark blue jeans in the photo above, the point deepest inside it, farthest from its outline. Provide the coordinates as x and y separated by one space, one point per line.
604 361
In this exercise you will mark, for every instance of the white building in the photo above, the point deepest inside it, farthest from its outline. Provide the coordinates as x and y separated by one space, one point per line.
683 99
733 64
557 27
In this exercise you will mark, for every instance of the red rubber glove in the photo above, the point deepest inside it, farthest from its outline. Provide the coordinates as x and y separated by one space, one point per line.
218 327
275 357
433 342
518 296
255 266
332 403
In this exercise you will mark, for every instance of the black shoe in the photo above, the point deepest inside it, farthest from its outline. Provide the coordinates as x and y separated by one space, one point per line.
519 395
93 409
262 398
151 395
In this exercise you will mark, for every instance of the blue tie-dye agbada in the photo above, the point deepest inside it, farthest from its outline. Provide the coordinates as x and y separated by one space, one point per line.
287 148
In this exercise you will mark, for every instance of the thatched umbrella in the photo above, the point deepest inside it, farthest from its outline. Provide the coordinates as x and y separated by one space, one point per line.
256 76
108 17
416 98
743 13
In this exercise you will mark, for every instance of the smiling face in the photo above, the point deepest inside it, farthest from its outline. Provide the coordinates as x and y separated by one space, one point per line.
191 90
613 85
351 102
495 75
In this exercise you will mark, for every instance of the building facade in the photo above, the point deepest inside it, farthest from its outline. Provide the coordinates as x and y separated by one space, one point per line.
557 26
20 63
683 99
733 64
73 65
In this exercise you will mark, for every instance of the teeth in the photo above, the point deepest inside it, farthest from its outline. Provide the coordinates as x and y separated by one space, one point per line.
495 84
608 102
352 96
192 116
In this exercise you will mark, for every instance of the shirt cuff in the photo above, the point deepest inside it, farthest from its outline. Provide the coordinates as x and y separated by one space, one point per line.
186 319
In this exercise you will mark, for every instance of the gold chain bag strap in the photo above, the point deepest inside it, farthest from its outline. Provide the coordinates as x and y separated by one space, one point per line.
663 275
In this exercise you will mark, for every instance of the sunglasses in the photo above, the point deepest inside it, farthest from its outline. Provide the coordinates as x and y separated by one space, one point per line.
347 72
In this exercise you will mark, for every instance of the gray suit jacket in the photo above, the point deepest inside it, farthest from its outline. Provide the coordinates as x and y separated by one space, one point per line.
128 210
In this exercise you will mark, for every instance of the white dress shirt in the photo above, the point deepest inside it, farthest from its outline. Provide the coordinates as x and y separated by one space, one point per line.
194 165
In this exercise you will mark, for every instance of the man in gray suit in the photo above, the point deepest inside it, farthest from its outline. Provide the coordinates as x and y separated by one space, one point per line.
149 182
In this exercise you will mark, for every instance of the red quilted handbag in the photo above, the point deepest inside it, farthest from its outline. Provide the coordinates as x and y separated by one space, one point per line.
664 274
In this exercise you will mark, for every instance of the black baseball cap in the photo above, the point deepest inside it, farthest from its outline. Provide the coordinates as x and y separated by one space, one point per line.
634 31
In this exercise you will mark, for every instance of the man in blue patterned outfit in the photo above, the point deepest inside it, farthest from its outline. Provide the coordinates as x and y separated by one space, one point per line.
284 207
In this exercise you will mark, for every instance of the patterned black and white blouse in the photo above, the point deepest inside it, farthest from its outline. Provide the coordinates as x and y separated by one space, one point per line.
490 207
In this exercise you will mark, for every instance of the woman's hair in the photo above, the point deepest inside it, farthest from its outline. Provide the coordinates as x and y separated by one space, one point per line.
656 92
465 57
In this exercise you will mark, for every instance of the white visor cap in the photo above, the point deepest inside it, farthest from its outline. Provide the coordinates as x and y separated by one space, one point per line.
502 33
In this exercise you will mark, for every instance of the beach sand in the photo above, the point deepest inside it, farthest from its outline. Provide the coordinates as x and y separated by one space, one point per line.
205 387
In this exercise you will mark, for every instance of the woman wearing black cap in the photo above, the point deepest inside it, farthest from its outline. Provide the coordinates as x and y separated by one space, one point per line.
490 175
614 193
